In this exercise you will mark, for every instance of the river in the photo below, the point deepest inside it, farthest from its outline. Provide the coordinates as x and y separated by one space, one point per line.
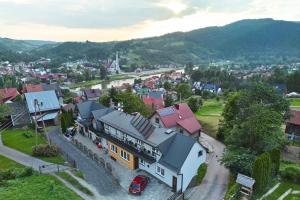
118 83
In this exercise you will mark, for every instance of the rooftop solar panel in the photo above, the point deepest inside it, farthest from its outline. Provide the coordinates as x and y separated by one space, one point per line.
166 111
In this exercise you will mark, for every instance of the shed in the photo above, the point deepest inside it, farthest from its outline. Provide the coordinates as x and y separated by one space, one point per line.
246 184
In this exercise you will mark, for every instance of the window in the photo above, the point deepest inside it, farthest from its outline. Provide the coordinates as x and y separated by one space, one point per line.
157 120
113 148
200 153
139 142
181 130
160 171
124 155
142 162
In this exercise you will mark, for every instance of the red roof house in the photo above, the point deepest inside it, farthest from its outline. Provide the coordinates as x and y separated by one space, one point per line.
178 117
32 88
153 103
293 125
8 94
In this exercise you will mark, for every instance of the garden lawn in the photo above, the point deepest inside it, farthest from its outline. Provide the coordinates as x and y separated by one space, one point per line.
211 107
284 186
209 116
37 187
15 139
295 101
6 163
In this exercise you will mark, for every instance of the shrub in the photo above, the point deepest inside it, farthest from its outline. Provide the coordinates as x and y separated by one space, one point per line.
291 173
275 157
8 174
201 172
27 135
28 171
45 150
232 193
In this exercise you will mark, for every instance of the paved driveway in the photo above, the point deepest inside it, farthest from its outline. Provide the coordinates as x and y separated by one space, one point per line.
215 182
99 178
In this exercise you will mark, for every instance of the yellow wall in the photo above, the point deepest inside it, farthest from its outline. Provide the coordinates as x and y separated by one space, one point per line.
129 164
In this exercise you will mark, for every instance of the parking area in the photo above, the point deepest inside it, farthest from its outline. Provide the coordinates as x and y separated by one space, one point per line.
154 190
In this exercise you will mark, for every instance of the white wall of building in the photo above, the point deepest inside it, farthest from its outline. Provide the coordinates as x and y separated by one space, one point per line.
192 163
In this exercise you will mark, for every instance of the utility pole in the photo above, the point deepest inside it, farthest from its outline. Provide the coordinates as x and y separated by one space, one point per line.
35 121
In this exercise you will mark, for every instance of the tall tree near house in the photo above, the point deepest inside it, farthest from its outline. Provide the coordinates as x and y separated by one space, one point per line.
103 72
262 172
167 86
189 68
184 91
195 103
275 158
63 124
4 112
252 121
169 101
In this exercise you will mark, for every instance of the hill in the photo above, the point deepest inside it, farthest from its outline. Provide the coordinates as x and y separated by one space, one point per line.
254 40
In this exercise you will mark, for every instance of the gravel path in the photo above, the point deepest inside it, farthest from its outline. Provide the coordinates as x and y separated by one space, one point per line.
214 184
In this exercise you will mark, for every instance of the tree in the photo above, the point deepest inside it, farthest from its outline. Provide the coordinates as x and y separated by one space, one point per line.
103 72
262 172
252 120
275 158
184 90
189 68
195 103
63 124
4 112
169 101
167 86
104 100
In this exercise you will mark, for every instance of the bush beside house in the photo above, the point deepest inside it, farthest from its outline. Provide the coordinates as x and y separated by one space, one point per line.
201 172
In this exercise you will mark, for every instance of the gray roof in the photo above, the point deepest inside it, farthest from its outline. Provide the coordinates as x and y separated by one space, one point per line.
92 93
19 113
86 108
175 151
156 94
52 86
245 180
100 113
47 100
122 121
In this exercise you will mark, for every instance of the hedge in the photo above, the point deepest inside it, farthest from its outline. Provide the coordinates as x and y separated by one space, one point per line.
45 150
201 172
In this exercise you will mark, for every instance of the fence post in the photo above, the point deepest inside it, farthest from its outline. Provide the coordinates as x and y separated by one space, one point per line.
57 168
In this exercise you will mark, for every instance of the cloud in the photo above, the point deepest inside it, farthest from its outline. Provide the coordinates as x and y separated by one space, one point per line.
102 20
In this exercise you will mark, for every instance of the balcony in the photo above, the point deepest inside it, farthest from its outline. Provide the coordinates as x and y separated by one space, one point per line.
127 145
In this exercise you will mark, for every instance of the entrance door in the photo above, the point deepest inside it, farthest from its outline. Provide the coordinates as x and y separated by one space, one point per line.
174 184
136 162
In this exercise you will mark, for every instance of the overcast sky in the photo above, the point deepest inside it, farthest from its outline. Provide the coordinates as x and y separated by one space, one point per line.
106 20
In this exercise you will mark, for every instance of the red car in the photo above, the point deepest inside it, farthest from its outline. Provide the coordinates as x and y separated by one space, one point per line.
138 184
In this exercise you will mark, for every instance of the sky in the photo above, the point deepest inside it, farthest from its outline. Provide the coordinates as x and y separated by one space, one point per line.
108 20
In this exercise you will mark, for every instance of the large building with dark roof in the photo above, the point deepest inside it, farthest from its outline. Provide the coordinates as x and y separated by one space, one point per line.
135 142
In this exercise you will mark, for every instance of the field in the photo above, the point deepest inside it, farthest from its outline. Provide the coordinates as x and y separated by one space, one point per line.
283 187
14 138
209 116
295 101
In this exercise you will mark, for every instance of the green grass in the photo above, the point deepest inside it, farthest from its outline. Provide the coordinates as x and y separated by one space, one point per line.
36 187
211 107
74 182
209 116
79 174
6 163
15 139
284 186
295 101
210 124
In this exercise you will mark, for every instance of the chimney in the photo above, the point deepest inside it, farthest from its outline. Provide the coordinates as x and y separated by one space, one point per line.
176 106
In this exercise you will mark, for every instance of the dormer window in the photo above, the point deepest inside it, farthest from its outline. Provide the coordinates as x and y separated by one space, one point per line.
156 120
